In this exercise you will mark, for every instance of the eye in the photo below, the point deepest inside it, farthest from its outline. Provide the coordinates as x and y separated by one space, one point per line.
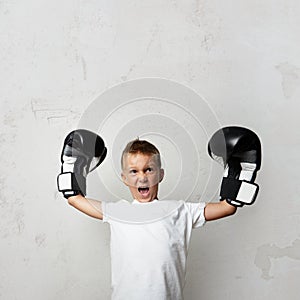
149 169
132 171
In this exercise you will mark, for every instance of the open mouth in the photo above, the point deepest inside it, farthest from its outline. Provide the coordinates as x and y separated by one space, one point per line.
143 190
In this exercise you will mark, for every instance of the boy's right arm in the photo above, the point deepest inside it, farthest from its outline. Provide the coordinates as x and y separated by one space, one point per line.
90 207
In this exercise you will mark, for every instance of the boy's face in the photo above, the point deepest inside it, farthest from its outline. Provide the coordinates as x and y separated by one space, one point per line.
142 175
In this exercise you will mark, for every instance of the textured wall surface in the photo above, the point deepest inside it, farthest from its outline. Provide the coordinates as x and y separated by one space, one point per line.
57 57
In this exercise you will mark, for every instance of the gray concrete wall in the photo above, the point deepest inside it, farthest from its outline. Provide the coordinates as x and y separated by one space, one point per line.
237 62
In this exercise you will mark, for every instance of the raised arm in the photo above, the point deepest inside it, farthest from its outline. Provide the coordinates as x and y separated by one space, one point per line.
218 210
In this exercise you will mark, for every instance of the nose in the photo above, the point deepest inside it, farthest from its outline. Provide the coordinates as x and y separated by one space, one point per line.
143 178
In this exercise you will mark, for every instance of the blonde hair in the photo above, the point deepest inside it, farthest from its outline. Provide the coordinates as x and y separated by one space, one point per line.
143 147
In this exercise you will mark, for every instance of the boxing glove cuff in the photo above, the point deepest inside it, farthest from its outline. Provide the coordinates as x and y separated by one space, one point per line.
71 184
238 192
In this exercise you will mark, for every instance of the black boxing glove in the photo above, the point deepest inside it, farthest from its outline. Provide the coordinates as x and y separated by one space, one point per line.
83 151
240 151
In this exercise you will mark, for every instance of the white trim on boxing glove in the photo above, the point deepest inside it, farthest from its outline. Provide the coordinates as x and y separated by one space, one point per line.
247 192
247 171
70 182
64 181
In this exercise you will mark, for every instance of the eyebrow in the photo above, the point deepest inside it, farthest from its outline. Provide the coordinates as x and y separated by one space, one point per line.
146 166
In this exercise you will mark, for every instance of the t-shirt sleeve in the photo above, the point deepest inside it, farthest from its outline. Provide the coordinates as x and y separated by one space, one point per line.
111 210
114 210
105 218
197 213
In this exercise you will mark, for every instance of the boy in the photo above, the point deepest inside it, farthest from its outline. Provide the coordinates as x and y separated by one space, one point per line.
148 258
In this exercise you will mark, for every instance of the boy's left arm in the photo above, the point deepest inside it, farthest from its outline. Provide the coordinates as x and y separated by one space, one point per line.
214 211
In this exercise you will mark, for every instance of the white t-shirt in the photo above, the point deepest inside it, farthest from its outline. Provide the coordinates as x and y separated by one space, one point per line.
149 252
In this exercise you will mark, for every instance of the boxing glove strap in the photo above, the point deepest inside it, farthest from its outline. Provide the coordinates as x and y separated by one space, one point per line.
71 184
238 192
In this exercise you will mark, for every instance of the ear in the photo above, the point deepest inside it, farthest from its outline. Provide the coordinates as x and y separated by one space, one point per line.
124 178
161 174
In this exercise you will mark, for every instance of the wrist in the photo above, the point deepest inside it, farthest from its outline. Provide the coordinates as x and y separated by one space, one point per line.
229 208
72 200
